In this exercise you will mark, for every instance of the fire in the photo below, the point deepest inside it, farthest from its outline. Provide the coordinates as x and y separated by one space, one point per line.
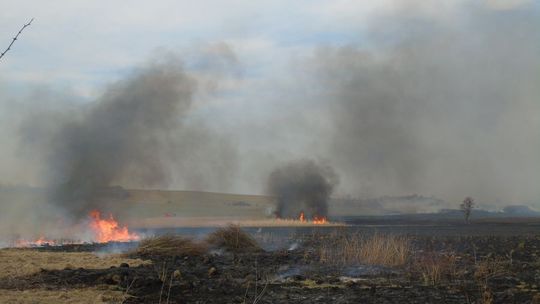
107 229
103 229
319 220
41 241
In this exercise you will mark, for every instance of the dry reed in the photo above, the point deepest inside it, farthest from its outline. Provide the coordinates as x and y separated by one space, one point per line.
377 249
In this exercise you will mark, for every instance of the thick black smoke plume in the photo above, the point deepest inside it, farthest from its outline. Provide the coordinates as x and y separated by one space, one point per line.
120 136
302 186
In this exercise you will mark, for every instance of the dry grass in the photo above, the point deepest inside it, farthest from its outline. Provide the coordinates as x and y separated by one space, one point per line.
222 221
233 238
490 268
487 269
436 267
377 249
69 296
21 262
170 245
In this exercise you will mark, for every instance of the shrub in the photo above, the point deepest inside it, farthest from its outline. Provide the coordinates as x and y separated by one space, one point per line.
170 245
233 238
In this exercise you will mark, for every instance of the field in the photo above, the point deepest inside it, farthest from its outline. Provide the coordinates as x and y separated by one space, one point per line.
149 209
449 263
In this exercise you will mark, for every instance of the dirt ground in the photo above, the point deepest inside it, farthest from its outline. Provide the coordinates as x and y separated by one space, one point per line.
436 269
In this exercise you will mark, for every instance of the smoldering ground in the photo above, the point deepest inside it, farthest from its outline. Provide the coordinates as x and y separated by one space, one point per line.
302 186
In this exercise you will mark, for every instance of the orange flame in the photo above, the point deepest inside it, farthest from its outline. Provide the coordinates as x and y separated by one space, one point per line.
302 218
319 220
108 230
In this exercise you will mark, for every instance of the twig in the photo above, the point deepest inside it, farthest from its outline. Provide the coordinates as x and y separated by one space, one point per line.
245 295
163 277
170 285
259 296
15 38
127 290
256 275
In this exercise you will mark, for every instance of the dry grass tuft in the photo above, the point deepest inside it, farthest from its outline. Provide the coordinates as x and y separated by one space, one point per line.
233 238
377 249
490 268
436 267
170 245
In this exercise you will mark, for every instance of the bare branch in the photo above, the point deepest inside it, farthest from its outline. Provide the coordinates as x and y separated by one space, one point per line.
15 38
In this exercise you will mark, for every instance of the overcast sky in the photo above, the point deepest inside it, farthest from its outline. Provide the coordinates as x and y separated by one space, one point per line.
79 45
76 48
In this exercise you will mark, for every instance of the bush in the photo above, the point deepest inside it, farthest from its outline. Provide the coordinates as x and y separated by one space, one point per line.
232 238
170 245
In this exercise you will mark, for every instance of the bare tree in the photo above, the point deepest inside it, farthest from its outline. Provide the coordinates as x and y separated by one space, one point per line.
466 207
15 38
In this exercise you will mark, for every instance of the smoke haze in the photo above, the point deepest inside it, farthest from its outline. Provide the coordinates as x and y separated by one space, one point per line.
137 134
435 101
436 106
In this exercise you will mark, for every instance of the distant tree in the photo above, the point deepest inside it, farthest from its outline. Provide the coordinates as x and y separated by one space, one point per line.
15 38
466 207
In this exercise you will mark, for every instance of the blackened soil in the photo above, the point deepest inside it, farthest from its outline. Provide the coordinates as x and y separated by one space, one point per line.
473 270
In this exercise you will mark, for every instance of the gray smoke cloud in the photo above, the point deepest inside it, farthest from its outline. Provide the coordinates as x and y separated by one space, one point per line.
437 102
121 135
444 106
140 133
302 186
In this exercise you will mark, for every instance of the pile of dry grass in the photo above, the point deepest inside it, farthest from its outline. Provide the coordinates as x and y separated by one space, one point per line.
377 249
170 245
233 238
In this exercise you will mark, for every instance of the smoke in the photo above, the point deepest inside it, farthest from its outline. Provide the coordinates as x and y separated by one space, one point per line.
302 186
438 106
437 102
141 132
120 136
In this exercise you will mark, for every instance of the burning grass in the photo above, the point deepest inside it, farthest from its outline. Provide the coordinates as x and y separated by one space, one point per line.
233 238
377 249
170 245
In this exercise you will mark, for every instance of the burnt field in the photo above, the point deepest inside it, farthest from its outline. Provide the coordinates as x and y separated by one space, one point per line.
376 263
